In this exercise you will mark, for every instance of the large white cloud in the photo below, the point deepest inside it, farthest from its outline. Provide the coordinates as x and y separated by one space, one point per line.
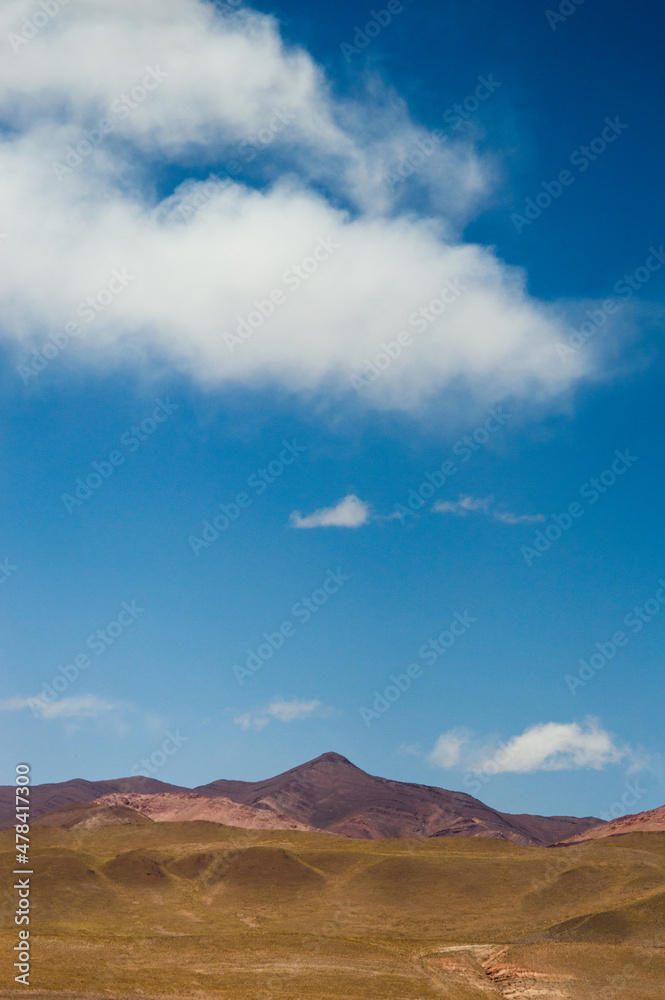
546 746
302 281
557 746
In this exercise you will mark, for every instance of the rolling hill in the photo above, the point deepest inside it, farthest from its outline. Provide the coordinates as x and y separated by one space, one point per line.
199 909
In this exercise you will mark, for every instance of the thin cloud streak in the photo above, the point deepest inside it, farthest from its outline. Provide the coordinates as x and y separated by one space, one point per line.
483 505
281 711
87 706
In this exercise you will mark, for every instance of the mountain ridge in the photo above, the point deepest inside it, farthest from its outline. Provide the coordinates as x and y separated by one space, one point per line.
372 796
328 793
650 821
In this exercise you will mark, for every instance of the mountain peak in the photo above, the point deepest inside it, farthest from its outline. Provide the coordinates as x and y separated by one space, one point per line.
331 757
328 793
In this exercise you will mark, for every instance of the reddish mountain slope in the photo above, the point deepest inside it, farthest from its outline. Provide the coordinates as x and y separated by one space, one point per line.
44 798
180 807
328 793
652 821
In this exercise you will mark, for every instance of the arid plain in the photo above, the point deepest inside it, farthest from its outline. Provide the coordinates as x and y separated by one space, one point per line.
127 907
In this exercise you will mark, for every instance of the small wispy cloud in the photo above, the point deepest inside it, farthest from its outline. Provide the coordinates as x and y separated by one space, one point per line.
282 711
509 518
350 512
13 704
483 505
548 746
447 750
463 506
87 706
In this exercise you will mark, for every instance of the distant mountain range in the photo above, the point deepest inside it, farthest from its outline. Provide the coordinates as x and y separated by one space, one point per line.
327 794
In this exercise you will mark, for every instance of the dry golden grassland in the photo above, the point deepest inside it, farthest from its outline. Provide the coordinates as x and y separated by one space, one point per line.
198 909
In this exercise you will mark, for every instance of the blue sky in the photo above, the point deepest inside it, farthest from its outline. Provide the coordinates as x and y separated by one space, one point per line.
226 368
